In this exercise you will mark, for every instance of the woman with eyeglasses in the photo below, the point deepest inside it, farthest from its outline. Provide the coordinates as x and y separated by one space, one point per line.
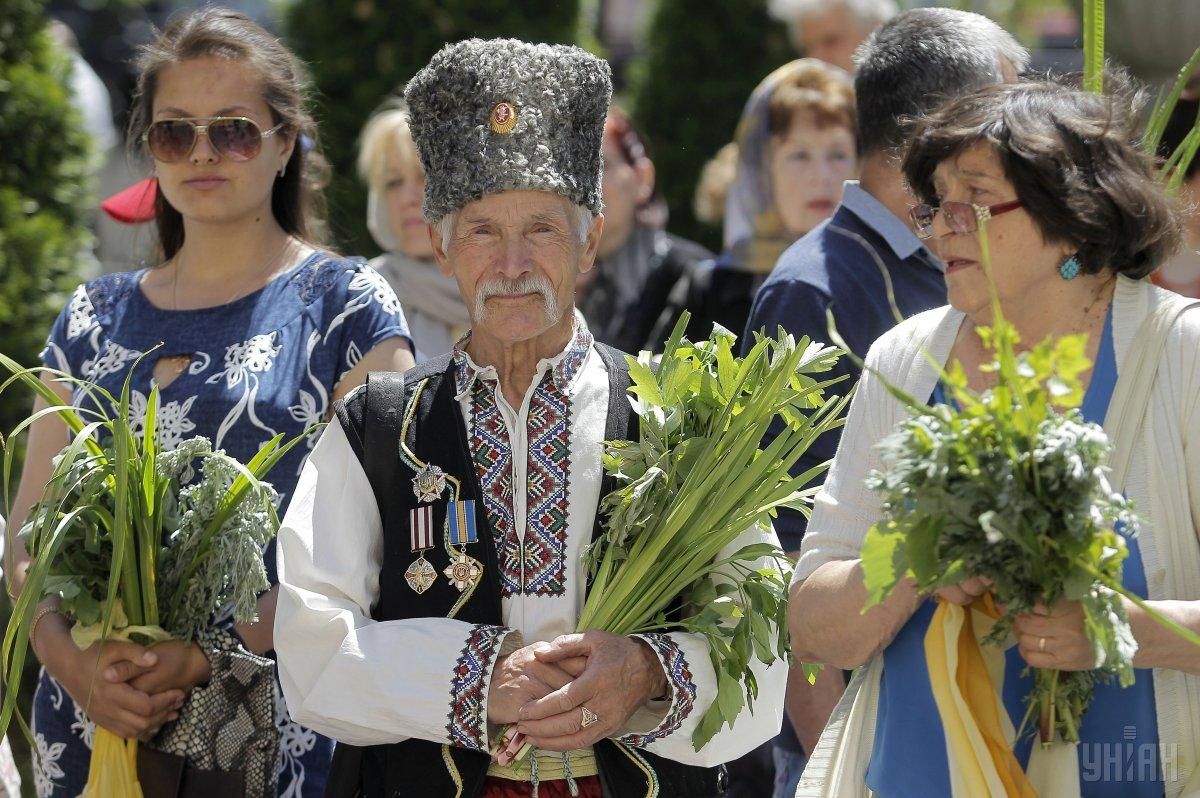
262 329
1076 219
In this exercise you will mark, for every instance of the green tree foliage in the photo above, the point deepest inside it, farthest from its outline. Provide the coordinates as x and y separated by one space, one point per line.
702 61
361 51
45 189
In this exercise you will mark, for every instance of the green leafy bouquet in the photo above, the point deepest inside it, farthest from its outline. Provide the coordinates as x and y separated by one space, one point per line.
1011 484
135 547
693 484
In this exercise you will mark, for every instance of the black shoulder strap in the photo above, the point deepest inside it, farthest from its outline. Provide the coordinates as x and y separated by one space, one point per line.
383 417
621 421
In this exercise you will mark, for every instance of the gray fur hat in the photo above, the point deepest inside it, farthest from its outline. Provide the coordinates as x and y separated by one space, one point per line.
505 115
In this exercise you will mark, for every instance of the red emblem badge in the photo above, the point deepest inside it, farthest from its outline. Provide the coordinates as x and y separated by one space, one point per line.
503 118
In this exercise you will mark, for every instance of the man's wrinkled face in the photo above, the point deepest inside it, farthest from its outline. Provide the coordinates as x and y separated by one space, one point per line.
516 256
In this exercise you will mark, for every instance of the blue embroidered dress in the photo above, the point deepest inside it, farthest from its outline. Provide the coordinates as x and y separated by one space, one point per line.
263 364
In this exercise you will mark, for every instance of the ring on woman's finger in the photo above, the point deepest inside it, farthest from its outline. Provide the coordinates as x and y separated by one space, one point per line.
589 718
1041 644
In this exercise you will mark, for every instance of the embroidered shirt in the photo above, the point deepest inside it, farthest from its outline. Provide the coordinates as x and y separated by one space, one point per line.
359 681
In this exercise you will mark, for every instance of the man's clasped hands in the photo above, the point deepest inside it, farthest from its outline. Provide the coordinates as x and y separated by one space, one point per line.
571 692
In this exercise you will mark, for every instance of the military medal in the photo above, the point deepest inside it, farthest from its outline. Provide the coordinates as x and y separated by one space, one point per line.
429 483
420 575
463 570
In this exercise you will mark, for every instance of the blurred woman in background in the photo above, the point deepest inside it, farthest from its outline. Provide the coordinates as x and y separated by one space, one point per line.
796 146
388 163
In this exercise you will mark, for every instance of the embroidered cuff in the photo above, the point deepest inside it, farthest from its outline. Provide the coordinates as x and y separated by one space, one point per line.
467 726
680 685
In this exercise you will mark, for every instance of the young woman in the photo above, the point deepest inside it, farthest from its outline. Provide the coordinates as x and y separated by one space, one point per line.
261 328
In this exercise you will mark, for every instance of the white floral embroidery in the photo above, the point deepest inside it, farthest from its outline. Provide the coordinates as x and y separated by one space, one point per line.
294 742
110 361
81 315
307 412
172 424
84 727
353 355
45 765
372 281
253 356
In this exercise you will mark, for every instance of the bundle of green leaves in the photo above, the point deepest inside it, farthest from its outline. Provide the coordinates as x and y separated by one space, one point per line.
693 484
1010 485
126 535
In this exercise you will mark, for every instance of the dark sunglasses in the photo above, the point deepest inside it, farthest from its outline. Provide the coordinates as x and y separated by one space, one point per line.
235 137
961 217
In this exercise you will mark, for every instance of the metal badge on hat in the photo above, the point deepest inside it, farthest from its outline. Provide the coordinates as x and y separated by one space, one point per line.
503 118
429 483
464 570
420 575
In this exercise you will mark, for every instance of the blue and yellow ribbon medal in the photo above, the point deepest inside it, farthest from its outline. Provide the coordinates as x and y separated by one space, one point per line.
464 570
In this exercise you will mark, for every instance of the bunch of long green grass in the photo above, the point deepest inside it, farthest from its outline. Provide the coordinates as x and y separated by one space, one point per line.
133 546
693 484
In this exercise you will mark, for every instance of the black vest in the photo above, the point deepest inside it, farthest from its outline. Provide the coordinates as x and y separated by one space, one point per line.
437 435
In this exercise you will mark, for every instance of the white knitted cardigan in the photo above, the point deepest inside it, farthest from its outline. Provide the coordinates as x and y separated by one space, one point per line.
1163 482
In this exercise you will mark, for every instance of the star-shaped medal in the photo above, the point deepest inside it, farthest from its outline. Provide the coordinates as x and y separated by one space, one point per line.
429 483
463 571
420 575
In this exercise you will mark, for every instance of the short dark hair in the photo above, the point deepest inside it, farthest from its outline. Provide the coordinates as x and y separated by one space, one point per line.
1071 155
920 59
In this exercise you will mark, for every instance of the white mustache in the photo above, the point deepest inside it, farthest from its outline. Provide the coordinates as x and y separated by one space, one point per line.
529 284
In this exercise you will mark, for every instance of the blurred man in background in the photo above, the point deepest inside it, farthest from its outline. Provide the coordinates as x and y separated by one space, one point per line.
832 30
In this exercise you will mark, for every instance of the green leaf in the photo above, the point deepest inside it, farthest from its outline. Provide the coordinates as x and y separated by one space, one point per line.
882 561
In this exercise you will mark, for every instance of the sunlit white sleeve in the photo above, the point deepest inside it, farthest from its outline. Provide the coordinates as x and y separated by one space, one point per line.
345 675
665 727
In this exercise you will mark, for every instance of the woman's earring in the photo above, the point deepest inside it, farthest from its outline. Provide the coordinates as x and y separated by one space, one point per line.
1069 268
283 169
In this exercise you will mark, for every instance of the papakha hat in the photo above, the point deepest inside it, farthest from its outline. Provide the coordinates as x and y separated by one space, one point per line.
505 115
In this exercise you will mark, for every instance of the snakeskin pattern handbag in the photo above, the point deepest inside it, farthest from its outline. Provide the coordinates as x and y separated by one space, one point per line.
225 741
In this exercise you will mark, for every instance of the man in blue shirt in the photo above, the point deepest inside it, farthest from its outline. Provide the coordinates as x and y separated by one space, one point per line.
845 265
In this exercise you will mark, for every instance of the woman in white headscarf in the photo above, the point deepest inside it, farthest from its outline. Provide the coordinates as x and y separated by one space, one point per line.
796 146
388 163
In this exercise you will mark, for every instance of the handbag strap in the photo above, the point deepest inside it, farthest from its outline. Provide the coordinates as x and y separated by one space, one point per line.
1131 396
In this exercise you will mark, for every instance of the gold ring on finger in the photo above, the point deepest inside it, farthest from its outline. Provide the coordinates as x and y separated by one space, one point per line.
589 718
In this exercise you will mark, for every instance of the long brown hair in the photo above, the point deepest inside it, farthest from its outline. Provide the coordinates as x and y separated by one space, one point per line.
296 200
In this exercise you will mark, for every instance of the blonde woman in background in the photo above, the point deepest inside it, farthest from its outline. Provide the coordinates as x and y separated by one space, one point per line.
388 163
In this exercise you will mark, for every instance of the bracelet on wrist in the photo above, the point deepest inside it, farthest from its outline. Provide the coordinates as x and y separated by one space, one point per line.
37 619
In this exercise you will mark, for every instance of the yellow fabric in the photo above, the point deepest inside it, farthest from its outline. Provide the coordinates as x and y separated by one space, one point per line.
966 690
112 772
549 766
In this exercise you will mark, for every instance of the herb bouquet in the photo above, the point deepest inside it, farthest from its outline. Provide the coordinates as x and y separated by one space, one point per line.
1010 485
135 547
693 484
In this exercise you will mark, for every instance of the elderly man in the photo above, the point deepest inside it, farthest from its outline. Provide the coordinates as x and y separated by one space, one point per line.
430 563
832 30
